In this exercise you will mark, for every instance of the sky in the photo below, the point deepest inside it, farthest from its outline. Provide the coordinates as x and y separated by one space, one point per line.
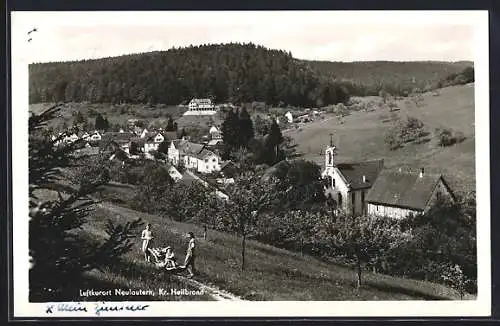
313 35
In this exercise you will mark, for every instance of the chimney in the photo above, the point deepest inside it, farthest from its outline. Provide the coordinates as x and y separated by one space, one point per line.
421 172
364 178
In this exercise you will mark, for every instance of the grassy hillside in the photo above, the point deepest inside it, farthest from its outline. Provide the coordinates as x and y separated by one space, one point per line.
271 274
360 136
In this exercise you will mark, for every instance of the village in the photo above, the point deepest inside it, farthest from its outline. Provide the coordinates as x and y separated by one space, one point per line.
357 188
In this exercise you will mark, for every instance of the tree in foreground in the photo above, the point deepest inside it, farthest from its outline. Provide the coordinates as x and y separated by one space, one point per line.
360 239
249 198
60 251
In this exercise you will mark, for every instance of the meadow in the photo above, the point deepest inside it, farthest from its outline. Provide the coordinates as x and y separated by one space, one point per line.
271 273
360 136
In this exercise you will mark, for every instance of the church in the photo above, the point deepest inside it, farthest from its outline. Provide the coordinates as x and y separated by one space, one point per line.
365 187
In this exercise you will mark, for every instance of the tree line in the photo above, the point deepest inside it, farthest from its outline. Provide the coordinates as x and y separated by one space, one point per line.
395 78
224 72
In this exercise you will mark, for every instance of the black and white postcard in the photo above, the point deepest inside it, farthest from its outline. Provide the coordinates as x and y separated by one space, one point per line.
287 163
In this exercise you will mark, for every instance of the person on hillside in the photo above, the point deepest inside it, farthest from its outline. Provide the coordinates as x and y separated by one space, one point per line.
190 255
147 238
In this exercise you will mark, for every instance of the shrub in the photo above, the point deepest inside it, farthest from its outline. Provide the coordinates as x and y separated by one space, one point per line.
447 137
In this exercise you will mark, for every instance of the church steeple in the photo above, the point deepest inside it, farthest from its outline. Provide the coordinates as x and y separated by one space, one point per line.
330 153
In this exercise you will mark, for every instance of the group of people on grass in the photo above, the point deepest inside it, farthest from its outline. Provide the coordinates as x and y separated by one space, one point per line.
164 257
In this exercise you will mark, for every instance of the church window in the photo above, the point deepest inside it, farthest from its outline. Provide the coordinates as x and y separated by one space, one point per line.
330 158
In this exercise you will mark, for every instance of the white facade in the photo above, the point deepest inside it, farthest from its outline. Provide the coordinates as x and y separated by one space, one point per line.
154 144
201 107
215 133
390 211
204 162
96 136
348 199
144 133
289 117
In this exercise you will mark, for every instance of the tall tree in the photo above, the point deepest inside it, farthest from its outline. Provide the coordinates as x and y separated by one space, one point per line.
272 144
230 132
170 125
246 132
249 198
59 250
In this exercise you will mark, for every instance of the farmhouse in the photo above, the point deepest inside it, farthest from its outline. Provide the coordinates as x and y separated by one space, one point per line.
96 136
153 142
121 139
201 106
193 156
401 194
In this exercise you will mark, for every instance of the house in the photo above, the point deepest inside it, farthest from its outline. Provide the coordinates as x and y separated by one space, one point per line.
289 117
201 106
193 156
348 183
215 133
174 173
144 133
71 138
96 136
153 142
400 194
120 139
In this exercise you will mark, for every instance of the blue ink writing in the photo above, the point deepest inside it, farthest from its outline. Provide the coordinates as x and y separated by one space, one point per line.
66 307
108 308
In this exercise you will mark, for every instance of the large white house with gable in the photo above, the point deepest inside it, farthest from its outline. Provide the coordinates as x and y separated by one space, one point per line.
201 106
193 156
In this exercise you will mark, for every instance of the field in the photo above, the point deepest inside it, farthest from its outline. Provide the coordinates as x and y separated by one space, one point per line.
360 136
271 273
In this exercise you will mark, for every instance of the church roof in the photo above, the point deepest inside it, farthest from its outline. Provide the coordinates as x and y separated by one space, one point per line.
353 173
404 189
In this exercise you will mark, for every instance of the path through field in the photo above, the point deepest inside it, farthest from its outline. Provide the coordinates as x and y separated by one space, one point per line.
213 291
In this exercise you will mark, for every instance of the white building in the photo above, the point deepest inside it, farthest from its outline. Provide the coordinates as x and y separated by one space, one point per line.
289 117
193 156
349 183
401 194
201 106
153 142
144 133
96 136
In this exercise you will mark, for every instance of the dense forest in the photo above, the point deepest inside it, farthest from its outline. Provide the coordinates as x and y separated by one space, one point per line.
227 73
232 73
365 78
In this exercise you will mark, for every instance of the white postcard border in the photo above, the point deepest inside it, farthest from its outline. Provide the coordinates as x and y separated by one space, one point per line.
22 21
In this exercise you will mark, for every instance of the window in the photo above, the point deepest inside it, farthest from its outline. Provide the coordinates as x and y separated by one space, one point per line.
340 199
363 201
333 182
330 158
214 160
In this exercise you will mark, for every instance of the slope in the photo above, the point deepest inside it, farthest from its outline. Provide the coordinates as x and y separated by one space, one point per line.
360 136
271 273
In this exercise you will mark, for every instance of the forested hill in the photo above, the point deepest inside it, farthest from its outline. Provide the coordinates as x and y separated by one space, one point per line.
227 73
230 73
399 78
